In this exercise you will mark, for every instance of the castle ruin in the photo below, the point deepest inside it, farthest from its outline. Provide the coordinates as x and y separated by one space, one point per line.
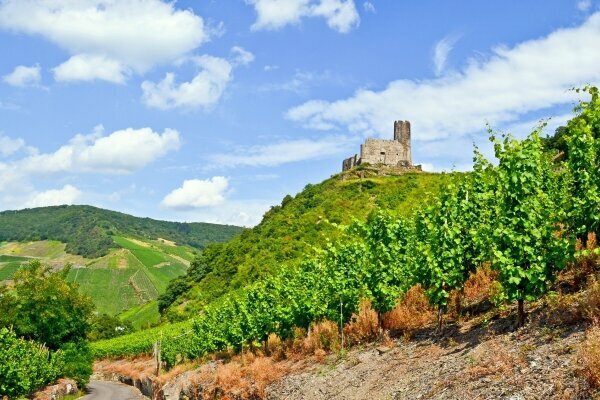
392 153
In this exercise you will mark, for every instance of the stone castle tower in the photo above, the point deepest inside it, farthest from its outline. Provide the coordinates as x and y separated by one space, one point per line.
391 153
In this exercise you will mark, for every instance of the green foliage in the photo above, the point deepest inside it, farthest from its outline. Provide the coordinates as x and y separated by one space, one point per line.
527 244
105 326
25 365
583 164
78 360
516 215
291 232
44 307
88 231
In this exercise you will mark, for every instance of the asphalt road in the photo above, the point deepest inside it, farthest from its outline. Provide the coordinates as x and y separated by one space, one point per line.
102 390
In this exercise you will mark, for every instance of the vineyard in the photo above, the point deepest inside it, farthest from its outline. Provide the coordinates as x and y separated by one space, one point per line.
521 216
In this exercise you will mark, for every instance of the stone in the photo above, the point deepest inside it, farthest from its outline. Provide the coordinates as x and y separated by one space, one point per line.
392 153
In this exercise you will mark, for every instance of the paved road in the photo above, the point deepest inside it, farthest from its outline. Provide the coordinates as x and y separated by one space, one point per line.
102 390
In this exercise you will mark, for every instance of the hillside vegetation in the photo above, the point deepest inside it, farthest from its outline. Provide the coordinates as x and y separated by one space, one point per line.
516 224
88 231
292 231
131 276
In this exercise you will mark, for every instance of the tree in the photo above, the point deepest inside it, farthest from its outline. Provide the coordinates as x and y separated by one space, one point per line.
528 245
46 308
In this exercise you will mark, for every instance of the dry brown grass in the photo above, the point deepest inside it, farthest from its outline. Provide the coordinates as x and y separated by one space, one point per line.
136 368
589 357
247 379
412 312
494 359
480 285
324 336
275 347
592 300
363 326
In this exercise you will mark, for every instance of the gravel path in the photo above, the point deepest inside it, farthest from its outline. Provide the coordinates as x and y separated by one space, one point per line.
102 390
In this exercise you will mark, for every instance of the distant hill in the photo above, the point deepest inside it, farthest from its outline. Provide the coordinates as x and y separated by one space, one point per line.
88 231
291 231
127 278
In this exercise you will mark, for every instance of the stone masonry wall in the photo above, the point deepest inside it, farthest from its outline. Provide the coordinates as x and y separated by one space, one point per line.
386 152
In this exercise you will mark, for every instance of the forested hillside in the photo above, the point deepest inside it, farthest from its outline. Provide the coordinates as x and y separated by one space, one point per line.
291 231
88 231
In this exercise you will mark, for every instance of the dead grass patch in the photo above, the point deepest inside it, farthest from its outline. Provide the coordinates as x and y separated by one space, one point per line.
589 357
412 312
494 359
363 327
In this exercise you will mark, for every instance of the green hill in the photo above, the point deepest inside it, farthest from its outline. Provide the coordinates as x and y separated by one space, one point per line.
88 231
131 266
291 231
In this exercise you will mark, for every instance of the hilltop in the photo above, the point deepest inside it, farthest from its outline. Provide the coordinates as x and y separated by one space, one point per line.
291 231
87 231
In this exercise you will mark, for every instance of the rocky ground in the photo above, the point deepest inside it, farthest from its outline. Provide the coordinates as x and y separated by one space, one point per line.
491 361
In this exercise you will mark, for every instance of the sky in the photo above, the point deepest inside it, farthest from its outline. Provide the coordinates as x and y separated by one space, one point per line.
213 111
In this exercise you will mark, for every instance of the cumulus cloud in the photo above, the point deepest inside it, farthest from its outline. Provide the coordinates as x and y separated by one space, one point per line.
242 56
10 146
55 197
197 193
87 67
121 152
203 91
341 15
130 34
531 76
23 76
283 152
441 50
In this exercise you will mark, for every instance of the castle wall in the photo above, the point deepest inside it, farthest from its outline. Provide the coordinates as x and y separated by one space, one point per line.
386 152
391 153
350 162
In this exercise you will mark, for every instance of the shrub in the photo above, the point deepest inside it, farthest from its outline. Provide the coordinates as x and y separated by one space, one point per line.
78 360
25 366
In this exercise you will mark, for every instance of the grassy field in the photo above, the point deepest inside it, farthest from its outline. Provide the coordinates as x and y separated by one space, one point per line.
143 315
127 278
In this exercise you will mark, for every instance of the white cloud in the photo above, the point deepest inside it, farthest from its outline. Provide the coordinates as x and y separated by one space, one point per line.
369 7
10 146
203 91
302 80
283 152
242 56
584 5
197 193
55 197
86 67
441 50
23 76
533 75
341 15
121 152
133 34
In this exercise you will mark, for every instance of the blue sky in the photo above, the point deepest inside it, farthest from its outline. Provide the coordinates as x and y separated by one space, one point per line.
215 110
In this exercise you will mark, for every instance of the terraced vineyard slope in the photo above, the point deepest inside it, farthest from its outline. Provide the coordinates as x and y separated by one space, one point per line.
128 272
